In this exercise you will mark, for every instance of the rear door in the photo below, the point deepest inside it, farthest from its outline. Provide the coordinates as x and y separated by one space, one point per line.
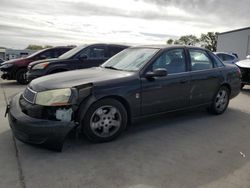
170 92
205 77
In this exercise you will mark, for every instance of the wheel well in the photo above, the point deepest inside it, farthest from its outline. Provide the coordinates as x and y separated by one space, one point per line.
228 86
18 70
124 103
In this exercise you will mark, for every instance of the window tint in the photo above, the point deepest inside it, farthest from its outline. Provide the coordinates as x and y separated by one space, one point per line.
216 60
93 52
200 60
227 57
172 60
220 56
61 51
114 50
48 54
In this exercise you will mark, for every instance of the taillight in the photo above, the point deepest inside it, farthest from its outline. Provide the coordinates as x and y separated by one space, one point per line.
239 72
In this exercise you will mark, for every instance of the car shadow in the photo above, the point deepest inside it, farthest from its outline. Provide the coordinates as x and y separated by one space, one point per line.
187 149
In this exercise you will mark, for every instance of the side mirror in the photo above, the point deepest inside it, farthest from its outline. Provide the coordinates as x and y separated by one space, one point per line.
83 56
157 73
248 57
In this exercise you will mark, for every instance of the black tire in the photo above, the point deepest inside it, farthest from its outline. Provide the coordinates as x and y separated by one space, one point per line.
99 120
242 85
21 77
220 105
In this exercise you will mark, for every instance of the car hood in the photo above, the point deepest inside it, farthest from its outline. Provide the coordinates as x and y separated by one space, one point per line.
76 78
244 63
46 60
13 61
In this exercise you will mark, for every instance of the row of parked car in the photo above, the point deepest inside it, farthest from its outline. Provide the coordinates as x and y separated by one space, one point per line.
101 101
59 59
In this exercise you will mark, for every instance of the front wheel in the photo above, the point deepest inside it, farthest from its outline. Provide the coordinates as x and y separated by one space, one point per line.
220 101
104 121
21 76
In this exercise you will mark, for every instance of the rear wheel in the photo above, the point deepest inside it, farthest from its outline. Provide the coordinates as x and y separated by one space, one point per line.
21 76
220 101
104 121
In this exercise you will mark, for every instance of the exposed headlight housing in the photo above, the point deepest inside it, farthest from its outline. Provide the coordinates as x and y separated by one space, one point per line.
40 66
57 97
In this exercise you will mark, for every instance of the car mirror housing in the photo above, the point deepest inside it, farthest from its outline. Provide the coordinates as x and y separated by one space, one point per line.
157 73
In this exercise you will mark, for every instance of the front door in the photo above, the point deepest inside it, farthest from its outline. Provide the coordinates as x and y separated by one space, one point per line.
170 92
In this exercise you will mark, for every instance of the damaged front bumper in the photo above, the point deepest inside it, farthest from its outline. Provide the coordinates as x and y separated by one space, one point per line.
245 72
37 131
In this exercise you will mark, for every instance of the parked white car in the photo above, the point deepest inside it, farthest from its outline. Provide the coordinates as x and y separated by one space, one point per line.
244 66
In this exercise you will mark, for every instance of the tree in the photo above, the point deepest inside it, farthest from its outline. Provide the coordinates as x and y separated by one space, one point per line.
209 40
188 40
37 47
170 41
34 47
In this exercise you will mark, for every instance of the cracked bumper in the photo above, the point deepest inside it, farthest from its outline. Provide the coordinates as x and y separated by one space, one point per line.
36 131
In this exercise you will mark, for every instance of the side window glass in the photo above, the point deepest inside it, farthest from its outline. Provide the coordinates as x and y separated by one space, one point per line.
216 60
45 55
114 50
96 53
200 60
228 57
220 56
173 61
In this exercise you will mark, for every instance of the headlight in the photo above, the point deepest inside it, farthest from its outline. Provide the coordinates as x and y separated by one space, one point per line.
58 97
7 65
40 66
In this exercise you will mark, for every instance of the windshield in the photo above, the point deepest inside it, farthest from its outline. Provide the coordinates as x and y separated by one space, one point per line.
36 53
132 59
72 52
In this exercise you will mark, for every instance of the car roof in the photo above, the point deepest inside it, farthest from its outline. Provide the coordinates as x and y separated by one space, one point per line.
168 46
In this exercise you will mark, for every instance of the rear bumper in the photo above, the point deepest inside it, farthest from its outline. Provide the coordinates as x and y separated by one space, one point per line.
37 131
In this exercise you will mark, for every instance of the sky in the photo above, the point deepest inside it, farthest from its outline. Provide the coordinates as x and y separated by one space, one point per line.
67 22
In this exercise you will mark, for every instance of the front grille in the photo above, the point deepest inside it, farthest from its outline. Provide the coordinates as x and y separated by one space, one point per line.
245 72
29 95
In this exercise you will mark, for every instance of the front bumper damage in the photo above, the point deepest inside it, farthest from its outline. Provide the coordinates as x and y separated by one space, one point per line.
30 128
245 78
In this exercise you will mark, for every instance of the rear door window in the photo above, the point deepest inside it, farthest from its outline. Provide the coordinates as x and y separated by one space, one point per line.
94 52
200 60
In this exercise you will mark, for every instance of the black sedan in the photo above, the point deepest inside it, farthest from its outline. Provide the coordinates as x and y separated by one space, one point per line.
81 57
137 82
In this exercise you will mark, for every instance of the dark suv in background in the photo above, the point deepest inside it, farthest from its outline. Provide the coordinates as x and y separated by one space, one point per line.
84 56
16 69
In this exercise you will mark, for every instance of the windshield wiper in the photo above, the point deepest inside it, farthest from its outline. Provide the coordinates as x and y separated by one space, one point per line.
111 67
